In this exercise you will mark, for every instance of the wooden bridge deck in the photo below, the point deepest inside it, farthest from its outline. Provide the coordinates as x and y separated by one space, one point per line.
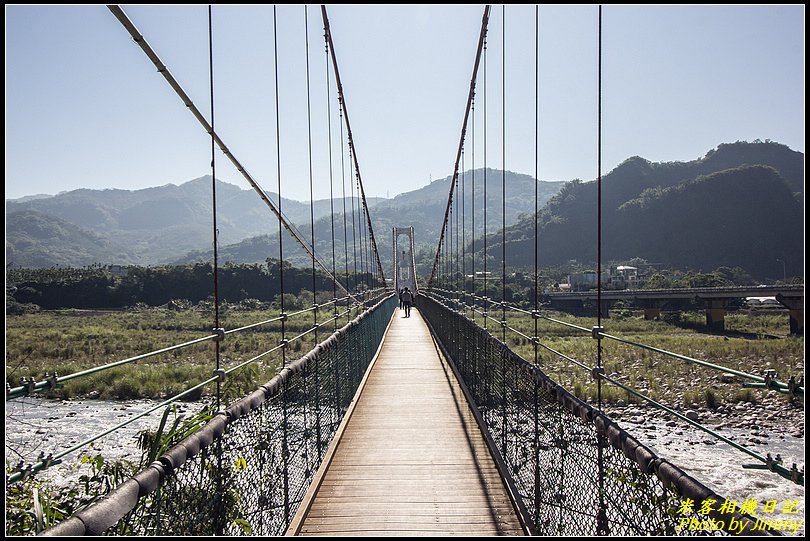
409 458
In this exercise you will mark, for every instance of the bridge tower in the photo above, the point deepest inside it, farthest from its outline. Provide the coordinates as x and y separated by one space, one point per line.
404 267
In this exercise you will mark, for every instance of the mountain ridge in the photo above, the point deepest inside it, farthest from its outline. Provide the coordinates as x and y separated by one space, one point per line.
171 224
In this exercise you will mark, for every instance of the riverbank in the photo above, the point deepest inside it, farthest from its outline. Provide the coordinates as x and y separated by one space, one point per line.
38 426
771 425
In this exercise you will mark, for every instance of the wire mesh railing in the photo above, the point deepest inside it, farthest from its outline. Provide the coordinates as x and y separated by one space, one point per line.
550 440
472 306
248 468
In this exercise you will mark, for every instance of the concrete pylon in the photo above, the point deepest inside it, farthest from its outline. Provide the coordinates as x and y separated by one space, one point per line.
795 306
652 307
404 266
715 313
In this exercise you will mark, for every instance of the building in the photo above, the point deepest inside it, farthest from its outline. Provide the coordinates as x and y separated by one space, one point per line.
628 275
583 281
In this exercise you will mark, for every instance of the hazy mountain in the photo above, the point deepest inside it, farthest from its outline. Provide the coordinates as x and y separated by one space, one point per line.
423 209
153 225
40 240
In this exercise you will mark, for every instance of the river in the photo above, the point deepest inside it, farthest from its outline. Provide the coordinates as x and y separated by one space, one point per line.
35 425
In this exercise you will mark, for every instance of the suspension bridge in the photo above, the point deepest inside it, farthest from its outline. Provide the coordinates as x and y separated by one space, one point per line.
429 425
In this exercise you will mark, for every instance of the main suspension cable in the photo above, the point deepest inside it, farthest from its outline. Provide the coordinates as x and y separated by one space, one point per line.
164 71
361 191
480 48
331 177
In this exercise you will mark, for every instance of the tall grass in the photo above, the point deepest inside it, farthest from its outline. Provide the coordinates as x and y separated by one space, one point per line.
754 342
69 341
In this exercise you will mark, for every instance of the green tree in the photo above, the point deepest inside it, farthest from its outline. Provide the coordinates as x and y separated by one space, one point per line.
658 281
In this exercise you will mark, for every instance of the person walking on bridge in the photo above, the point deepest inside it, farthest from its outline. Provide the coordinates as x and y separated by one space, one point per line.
407 300
401 291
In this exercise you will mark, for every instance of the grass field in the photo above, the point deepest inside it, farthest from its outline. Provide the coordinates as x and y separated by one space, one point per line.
753 342
72 340
69 341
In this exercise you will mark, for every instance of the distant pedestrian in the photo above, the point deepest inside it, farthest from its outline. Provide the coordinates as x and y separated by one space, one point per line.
407 300
401 291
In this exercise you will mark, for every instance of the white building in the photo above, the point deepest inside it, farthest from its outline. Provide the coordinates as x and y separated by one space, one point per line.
629 275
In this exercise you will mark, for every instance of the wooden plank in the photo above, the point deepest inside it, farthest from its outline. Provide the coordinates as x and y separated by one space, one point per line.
402 519
414 509
405 529
471 500
410 533
411 459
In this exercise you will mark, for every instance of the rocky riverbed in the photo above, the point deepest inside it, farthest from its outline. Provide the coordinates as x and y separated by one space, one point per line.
36 425
771 425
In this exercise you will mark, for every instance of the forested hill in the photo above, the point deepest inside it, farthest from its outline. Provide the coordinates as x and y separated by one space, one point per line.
740 205
172 224
143 227
753 218
423 209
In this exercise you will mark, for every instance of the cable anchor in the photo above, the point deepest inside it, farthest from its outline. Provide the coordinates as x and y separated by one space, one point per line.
797 476
219 333
602 521
771 462
29 385
793 385
47 461
25 470
770 379
53 381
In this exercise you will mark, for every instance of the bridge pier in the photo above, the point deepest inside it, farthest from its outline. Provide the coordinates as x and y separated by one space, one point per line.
795 308
652 313
583 308
573 307
715 313
604 308
652 307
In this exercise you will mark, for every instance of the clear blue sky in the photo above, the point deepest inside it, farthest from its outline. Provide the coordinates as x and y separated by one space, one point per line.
86 109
